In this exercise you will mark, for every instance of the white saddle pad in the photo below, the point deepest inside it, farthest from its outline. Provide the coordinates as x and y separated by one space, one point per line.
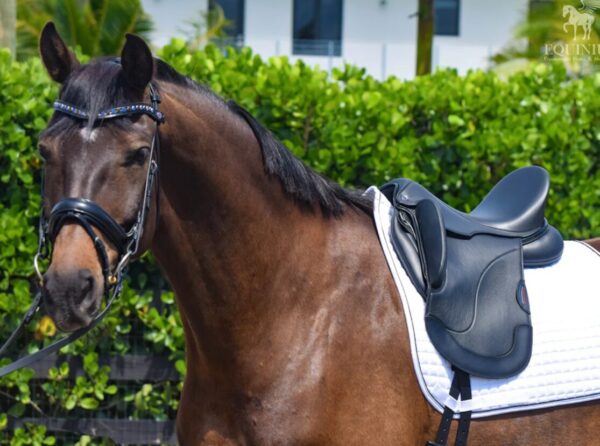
565 314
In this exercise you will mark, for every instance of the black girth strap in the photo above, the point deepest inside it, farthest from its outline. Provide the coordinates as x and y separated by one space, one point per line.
461 388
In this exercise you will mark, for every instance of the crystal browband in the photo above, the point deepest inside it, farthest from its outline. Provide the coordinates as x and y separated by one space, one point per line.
114 112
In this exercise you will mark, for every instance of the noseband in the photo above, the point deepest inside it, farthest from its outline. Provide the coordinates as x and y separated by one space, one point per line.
91 216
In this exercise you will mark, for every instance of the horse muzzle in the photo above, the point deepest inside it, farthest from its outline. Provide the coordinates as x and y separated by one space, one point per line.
71 297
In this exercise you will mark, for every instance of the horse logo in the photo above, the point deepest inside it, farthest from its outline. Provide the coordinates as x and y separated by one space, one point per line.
584 19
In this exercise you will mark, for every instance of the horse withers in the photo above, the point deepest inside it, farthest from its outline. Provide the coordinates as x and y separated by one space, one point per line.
294 330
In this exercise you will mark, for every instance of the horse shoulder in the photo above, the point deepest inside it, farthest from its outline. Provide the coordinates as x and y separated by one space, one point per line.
374 394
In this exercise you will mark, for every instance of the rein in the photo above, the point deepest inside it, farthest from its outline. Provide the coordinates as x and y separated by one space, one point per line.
88 214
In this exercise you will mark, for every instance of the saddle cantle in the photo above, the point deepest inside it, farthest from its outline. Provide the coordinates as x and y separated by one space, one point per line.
469 267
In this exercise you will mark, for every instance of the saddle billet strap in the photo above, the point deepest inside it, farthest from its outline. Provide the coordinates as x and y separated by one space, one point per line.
461 388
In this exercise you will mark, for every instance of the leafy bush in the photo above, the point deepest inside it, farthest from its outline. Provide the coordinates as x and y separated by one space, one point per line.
97 27
457 135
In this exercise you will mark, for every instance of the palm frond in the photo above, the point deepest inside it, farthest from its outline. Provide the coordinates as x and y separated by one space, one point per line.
97 27
206 27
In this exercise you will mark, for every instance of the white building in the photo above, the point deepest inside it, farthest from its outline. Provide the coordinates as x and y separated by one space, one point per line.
377 34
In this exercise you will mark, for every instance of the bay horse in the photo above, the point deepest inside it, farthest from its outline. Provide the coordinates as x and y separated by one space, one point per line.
294 330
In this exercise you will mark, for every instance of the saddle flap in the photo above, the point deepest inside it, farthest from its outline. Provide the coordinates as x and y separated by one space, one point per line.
433 240
479 319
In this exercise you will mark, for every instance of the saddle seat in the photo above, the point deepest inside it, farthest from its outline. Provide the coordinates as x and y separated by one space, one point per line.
469 267
513 208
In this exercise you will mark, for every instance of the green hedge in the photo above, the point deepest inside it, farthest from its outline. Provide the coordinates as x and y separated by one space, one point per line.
455 134
458 135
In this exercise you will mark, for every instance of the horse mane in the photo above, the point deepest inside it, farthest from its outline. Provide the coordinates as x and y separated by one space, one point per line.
298 180
98 85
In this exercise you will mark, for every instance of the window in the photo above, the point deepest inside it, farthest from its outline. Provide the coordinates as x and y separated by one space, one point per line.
234 13
318 27
446 17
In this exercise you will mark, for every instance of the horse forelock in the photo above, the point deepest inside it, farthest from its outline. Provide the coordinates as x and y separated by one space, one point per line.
96 86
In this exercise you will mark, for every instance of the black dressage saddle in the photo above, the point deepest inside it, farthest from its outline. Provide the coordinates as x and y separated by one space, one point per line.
469 267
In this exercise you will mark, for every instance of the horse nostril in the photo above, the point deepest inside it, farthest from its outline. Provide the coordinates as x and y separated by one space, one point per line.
46 285
87 282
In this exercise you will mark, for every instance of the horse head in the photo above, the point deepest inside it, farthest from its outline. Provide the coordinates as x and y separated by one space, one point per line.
95 174
568 10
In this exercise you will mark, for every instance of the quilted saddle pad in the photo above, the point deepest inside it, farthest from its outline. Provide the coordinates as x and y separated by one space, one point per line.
565 313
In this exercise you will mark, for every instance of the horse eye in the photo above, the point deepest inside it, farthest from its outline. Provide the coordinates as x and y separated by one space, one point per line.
137 156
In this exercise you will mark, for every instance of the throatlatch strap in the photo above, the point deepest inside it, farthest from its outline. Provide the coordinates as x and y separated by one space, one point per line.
461 387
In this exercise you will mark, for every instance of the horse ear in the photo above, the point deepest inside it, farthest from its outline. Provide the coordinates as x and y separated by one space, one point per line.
137 62
58 59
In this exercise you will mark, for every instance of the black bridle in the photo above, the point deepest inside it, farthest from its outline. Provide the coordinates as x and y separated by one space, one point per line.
90 215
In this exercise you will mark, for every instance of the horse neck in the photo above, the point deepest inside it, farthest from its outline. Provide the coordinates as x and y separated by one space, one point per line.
227 232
